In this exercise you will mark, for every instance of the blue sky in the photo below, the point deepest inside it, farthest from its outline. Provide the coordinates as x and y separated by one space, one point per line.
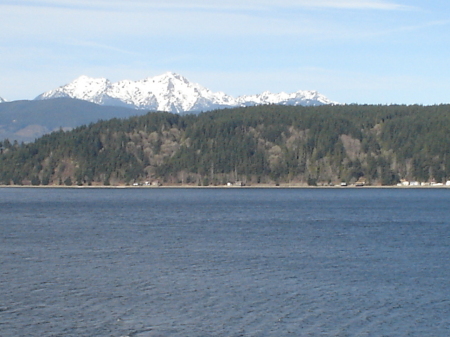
367 51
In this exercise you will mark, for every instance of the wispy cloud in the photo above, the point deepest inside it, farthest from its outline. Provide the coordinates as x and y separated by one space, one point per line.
426 25
211 4
402 29
114 20
96 45
116 23
354 4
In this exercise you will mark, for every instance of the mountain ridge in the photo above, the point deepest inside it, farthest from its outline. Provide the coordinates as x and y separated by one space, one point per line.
27 120
172 92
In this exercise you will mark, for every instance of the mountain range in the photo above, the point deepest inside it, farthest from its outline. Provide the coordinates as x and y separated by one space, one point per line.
87 100
173 93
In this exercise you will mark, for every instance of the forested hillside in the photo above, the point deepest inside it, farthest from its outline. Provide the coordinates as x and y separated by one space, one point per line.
256 145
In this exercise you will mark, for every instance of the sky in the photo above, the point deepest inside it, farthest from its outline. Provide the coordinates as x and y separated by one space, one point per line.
351 51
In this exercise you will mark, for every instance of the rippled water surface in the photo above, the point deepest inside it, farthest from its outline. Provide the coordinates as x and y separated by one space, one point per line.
224 262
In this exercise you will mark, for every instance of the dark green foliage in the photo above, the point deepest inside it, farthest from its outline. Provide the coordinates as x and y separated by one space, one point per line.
68 181
35 181
312 182
264 144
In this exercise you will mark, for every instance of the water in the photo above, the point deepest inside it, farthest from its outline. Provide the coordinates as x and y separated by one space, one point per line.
224 262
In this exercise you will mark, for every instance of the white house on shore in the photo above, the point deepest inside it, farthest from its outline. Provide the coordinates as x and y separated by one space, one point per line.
423 183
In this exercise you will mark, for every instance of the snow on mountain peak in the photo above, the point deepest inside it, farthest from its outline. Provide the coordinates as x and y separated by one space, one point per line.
171 92
84 87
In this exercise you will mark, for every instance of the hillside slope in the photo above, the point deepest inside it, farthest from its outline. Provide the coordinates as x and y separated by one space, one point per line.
377 145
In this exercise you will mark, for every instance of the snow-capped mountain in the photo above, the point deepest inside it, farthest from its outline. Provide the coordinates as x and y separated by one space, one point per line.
171 92
301 97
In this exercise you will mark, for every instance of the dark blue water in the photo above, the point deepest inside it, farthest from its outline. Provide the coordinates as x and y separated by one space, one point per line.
224 262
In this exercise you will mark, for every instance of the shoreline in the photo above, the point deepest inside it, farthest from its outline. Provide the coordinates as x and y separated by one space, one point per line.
261 186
